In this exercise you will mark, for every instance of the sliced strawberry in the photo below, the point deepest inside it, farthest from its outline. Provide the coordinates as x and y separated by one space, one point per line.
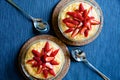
49 52
69 20
69 30
31 61
45 72
94 22
43 66
49 59
79 16
36 53
47 46
53 62
81 8
75 32
52 72
83 30
70 25
43 51
73 14
43 58
54 53
39 69
85 13
86 33
49 65
36 59
87 24
35 64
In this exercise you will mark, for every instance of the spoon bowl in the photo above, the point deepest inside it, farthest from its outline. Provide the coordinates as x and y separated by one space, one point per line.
80 56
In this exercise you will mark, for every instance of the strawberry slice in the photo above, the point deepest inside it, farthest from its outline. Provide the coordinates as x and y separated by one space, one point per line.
48 59
81 8
85 13
36 53
54 53
52 72
86 33
75 32
43 51
49 52
47 46
45 72
73 14
43 58
31 61
69 20
83 30
53 62
94 22
35 64
69 30
49 65
39 69
36 59
87 24
70 25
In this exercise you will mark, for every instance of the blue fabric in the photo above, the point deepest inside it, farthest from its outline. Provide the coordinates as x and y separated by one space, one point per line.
15 29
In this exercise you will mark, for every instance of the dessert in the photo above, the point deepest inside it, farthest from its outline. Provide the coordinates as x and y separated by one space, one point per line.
79 21
44 59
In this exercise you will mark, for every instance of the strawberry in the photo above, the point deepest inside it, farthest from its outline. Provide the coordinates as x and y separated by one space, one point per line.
47 46
83 30
43 58
49 65
87 24
53 62
70 21
81 8
54 53
85 13
35 64
49 52
52 72
39 69
94 22
36 59
45 72
70 25
43 51
49 59
31 61
86 33
69 30
36 53
73 14
75 32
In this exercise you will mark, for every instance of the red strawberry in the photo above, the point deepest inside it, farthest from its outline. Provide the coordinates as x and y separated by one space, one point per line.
53 62
49 52
36 59
73 14
43 58
49 65
70 21
42 52
47 46
87 24
86 33
31 61
81 8
35 64
54 53
52 72
69 30
49 59
36 53
94 22
75 32
83 30
39 69
85 13
70 25
45 72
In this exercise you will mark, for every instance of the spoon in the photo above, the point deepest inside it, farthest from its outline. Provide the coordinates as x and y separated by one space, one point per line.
80 56
39 24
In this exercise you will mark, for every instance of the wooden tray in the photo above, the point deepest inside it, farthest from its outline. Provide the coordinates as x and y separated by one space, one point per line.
47 37
56 11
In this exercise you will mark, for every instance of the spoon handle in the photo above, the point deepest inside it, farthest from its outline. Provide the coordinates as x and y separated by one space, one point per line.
25 13
96 70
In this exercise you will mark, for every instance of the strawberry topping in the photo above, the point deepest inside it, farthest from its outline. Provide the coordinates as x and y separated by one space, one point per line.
80 21
44 60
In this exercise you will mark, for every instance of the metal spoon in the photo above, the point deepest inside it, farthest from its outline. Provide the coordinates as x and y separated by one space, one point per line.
39 24
80 56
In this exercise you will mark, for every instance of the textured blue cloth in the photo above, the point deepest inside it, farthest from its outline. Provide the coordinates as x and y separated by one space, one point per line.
16 29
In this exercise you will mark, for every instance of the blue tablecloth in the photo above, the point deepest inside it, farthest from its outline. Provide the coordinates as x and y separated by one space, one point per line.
16 29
